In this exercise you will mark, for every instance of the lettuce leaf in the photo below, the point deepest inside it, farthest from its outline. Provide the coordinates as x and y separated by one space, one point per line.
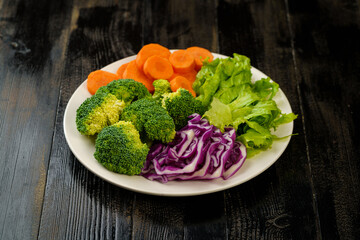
225 87
220 114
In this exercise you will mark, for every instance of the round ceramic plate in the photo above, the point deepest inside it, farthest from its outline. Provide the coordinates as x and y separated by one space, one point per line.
83 148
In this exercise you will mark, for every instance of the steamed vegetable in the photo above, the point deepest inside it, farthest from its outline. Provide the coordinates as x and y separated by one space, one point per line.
190 76
127 90
157 67
225 85
118 148
200 55
133 72
199 151
99 78
148 50
182 61
180 105
120 71
98 111
181 82
161 86
151 120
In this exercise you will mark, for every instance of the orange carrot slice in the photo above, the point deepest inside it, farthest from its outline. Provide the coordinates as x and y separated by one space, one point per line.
200 54
181 82
157 67
133 72
99 78
182 61
150 50
121 70
191 75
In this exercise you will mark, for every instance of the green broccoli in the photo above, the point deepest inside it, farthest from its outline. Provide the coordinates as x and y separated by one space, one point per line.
98 111
180 105
161 87
151 120
118 148
127 90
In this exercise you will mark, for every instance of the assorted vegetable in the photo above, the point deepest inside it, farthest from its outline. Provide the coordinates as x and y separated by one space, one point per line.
153 62
179 115
105 107
199 151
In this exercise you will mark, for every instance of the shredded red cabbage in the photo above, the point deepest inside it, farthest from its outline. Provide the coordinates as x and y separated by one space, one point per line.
199 151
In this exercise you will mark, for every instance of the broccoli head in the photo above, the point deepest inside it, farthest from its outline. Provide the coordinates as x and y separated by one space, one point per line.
127 90
180 105
98 111
161 87
118 148
150 119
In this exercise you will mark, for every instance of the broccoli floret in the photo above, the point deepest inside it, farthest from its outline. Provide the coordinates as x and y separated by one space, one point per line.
150 119
180 105
127 90
97 112
161 87
118 148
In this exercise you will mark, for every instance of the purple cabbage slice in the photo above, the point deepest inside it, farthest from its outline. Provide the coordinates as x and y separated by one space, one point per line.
198 151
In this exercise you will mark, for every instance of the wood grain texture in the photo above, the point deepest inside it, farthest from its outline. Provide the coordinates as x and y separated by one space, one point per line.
176 25
77 204
158 217
311 48
326 41
283 194
181 24
29 94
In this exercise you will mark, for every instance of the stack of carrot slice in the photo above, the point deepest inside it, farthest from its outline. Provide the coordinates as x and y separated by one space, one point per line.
153 62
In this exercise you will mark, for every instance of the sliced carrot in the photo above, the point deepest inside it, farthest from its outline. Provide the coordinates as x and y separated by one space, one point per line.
121 70
181 82
157 67
191 75
133 72
150 50
99 78
200 54
182 61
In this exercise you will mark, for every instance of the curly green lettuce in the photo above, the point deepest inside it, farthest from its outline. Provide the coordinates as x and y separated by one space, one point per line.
225 86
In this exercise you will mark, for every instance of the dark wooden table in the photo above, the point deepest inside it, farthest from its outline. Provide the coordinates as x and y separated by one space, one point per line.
311 48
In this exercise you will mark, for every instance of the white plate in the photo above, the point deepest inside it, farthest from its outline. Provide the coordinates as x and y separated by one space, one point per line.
84 147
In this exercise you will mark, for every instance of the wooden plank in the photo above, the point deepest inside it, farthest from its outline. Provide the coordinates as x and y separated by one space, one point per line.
327 42
77 204
158 218
29 59
177 25
277 204
205 218
181 24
